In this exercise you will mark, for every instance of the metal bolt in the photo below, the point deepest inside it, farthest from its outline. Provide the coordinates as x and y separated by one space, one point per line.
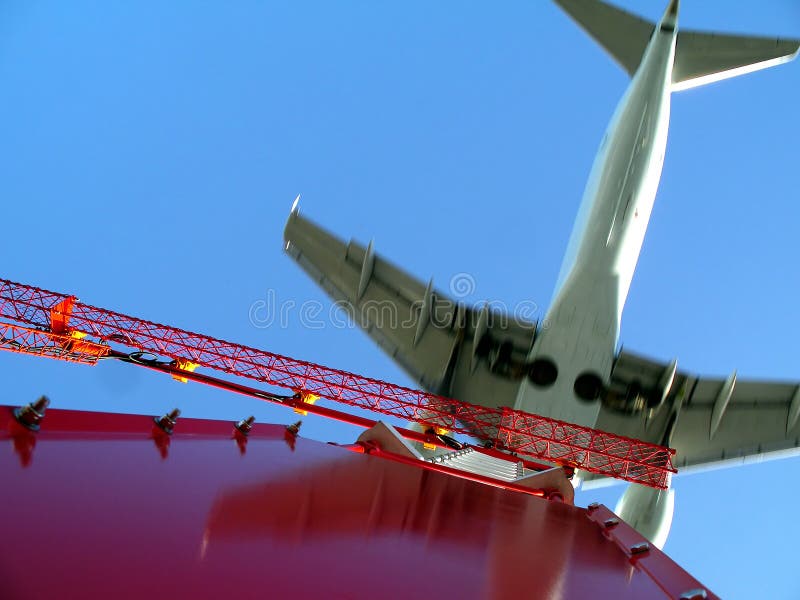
245 425
31 416
640 548
593 506
695 594
167 422
612 522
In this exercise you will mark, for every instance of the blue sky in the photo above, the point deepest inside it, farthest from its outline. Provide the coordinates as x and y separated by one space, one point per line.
151 152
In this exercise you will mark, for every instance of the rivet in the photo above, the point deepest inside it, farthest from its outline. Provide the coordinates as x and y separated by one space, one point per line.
612 522
695 594
593 506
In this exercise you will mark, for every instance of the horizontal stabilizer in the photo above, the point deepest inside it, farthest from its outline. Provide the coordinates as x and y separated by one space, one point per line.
624 35
702 58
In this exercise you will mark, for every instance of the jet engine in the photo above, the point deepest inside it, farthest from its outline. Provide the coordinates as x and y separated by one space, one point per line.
648 511
629 395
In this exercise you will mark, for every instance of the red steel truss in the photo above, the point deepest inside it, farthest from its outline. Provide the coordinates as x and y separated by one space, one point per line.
25 340
62 317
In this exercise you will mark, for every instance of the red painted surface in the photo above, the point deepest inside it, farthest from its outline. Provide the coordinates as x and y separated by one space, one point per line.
101 505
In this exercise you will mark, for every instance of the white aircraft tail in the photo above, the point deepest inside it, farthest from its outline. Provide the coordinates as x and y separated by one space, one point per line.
700 57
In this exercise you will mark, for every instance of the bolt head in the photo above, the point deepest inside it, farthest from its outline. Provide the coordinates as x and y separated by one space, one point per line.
31 415
167 422
640 548
245 425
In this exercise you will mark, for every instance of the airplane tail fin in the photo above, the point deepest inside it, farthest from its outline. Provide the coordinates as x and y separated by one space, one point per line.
700 57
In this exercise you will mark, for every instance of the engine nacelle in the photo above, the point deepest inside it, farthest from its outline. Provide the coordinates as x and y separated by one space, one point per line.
635 398
649 511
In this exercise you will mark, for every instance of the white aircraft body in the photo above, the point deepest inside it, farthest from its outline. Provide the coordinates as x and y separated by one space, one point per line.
569 366
576 349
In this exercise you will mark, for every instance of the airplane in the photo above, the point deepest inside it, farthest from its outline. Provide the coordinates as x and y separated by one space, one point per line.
570 365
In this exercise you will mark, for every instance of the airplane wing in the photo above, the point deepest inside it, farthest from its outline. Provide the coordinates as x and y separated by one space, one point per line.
477 355
431 336
709 421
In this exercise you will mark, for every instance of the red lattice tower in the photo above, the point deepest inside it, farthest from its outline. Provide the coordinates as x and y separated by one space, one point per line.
63 322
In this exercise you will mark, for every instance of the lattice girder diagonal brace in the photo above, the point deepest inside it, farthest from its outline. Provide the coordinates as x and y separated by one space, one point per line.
511 430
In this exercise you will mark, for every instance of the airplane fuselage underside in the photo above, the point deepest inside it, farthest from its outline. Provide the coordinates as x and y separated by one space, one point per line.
575 346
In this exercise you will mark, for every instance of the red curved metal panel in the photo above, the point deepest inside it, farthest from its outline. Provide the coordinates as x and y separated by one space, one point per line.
103 505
